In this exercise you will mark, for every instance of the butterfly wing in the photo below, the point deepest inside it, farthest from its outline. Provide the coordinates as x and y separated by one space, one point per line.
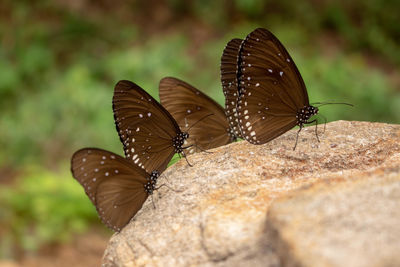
113 184
229 80
272 88
145 128
196 111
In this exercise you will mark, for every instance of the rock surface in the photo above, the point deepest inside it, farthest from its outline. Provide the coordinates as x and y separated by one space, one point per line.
352 223
268 205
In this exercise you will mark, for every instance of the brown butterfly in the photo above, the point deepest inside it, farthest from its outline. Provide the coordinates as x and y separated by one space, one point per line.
148 132
196 113
273 97
115 186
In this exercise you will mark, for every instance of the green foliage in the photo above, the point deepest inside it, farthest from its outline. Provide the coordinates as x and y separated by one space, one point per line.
59 64
43 207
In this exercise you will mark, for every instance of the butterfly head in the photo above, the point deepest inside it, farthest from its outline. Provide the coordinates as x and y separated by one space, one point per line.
179 140
304 114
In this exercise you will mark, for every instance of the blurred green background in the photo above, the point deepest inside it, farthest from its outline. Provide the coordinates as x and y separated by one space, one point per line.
59 62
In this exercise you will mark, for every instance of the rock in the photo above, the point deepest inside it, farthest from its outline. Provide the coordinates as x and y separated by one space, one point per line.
218 213
335 223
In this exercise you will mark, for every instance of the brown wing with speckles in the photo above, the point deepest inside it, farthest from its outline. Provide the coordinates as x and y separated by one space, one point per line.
272 89
113 184
145 128
196 113
229 81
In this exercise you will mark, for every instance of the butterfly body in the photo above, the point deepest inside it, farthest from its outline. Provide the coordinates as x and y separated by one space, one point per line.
150 186
304 114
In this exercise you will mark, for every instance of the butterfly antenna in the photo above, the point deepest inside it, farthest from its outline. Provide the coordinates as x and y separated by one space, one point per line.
320 104
199 121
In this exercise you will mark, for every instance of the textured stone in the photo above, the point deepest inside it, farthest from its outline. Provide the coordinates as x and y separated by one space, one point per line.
217 213
340 223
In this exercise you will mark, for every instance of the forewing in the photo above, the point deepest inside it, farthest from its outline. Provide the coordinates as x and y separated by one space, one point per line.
229 80
145 128
195 112
272 88
114 185
265 61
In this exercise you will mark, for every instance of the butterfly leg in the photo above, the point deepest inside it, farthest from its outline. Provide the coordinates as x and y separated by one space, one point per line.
297 137
166 178
184 155
325 120
316 128
170 188
152 201
202 150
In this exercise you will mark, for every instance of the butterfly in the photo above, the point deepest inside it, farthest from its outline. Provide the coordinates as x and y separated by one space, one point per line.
273 97
229 81
115 186
197 113
149 134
